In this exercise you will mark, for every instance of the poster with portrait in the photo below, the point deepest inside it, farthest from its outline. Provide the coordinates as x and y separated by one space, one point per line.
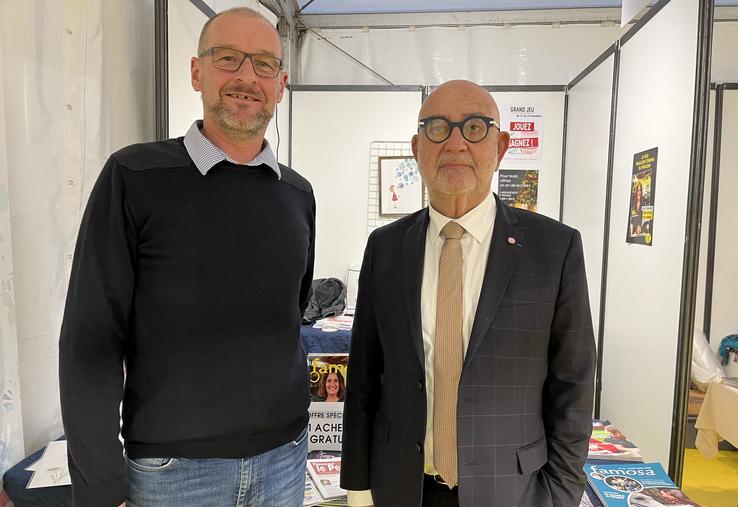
642 198
524 122
327 374
518 188
400 186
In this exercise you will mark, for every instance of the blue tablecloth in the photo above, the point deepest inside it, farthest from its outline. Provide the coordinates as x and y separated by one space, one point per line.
315 340
15 480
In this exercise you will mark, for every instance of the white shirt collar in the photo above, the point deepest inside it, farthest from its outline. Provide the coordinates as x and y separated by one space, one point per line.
205 154
477 222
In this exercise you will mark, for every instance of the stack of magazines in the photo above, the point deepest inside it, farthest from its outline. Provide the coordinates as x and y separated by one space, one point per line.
608 443
322 482
634 485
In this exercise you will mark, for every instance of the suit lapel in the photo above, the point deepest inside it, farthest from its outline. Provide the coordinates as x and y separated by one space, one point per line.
413 255
500 266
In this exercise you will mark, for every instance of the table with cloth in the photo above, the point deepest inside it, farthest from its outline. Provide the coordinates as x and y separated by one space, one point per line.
718 418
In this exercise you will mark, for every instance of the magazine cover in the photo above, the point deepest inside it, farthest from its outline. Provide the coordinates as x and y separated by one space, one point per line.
327 374
326 475
642 198
635 485
312 496
607 442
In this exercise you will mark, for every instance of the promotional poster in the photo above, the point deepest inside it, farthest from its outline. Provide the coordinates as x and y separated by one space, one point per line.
642 198
327 374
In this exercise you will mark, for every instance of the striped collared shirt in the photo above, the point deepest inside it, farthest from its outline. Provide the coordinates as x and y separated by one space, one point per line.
205 154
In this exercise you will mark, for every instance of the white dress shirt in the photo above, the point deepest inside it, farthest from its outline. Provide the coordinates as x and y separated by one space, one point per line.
475 244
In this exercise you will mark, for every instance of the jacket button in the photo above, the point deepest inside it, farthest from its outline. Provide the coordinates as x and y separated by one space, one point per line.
418 447
420 386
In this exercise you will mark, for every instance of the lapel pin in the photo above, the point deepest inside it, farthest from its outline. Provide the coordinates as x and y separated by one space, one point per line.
511 240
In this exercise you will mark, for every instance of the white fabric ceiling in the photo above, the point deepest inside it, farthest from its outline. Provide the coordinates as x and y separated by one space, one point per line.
395 6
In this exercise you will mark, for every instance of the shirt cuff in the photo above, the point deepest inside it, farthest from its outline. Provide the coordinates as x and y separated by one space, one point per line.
360 498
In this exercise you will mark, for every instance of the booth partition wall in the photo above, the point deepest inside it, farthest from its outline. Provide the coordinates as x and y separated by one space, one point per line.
644 98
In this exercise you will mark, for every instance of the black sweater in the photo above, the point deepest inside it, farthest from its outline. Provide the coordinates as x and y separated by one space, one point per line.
197 284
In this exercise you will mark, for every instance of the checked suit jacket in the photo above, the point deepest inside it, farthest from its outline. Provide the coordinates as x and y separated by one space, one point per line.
525 395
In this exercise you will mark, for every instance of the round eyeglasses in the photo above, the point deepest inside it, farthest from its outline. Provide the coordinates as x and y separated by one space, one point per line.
231 60
473 129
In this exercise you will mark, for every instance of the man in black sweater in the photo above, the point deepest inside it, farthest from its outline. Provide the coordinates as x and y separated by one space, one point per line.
191 273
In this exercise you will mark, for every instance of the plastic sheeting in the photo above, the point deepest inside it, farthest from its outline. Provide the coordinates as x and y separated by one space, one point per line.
11 424
490 55
78 84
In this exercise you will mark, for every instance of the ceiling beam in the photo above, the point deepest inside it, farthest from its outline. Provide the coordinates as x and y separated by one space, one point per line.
475 18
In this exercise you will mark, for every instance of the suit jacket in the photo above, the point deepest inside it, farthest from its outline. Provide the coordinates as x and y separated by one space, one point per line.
525 395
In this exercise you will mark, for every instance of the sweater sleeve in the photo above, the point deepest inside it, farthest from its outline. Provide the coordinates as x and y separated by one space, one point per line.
307 278
92 343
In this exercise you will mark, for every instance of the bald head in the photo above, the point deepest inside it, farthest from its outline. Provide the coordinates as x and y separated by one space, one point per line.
212 24
459 95
457 171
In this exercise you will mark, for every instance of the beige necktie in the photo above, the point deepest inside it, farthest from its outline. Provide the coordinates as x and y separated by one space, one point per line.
448 352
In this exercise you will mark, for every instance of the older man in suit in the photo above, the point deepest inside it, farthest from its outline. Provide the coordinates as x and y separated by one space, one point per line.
472 358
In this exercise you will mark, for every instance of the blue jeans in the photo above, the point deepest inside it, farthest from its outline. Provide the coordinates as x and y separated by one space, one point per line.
275 478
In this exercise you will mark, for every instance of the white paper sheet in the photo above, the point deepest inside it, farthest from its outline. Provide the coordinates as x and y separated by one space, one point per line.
52 468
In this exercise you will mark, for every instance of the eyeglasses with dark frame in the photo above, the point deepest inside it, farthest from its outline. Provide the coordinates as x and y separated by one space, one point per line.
230 59
474 128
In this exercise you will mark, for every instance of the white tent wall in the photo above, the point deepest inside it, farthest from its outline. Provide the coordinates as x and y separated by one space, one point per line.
585 178
492 55
331 148
77 85
185 21
551 104
722 308
724 321
699 310
11 415
724 50
655 107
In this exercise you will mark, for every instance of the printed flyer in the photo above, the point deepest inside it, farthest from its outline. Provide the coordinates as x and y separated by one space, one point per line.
524 122
518 188
642 198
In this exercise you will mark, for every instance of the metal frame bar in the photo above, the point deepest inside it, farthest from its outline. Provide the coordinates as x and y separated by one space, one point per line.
204 8
690 263
525 88
606 228
642 21
357 88
714 198
592 66
563 156
161 69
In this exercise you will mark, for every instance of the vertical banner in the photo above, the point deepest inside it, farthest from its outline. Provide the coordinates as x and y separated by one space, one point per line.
519 188
642 198
524 122
327 373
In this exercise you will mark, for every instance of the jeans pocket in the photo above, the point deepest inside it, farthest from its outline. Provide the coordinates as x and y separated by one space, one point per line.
151 464
302 436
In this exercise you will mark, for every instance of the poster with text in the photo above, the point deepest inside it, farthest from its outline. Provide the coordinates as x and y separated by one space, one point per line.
518 188
524 122
327 374
642 198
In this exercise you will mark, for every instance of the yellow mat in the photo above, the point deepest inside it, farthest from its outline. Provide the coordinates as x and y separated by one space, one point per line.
711 482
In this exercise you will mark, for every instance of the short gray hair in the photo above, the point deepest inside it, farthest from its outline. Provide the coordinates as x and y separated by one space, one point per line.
243 11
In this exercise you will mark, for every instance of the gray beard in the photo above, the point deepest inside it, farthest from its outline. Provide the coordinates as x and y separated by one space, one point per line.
236 129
